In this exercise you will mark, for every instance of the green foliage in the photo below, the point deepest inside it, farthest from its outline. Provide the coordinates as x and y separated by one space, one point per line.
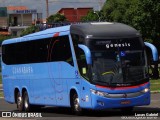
144 15
4 37
91 16
1 94
56 18
30 30
155 85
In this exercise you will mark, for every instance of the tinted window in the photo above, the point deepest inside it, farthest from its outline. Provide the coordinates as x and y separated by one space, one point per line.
80 55
36 51
60 50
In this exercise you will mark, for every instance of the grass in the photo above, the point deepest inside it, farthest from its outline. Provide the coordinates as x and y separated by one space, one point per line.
155 85
1 94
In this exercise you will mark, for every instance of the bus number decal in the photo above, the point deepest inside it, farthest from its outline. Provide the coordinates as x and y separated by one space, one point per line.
22 70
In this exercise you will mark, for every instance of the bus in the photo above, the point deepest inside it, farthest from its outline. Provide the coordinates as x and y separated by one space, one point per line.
97 65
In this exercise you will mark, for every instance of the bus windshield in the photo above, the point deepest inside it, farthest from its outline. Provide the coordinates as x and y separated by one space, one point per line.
118 62
115 67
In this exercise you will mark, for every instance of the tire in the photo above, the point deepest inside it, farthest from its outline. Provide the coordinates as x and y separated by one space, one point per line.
75 105
26 104
19 102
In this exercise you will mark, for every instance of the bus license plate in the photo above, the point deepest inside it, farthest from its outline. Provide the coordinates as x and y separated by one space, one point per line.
125 102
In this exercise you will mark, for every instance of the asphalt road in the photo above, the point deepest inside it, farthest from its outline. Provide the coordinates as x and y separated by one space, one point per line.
51 113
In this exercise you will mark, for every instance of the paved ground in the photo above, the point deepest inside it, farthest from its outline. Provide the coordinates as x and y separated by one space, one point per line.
51 113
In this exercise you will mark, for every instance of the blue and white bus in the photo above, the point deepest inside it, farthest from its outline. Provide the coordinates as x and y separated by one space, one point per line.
82 66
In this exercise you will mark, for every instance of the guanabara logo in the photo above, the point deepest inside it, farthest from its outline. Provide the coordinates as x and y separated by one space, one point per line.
111 45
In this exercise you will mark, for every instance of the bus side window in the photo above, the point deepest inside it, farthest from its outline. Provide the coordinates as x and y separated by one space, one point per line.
81 60
61 50
80 55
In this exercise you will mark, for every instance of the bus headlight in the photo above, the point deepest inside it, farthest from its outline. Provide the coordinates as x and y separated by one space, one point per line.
103 94
145 90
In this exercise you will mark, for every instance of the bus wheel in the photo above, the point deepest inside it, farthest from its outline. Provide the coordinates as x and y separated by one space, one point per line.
26 102
75 105
19 102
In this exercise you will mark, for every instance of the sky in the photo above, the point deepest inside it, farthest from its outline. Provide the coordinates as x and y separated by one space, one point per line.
54 5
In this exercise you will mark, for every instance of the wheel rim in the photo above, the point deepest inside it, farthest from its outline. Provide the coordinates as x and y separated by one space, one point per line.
26 102
76 104
19 101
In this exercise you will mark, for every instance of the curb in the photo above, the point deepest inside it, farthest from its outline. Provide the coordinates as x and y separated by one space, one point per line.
1 86
158 91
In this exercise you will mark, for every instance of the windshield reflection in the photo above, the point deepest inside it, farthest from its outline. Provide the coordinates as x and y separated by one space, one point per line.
118 67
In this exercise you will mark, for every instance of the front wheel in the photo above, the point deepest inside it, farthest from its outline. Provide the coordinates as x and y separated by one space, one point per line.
75 105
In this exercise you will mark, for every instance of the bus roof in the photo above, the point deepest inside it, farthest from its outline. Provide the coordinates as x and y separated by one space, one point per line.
50 31
104 29
64 30
97 29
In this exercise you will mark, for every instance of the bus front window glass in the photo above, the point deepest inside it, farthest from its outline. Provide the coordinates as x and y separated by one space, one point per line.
118 62
106 68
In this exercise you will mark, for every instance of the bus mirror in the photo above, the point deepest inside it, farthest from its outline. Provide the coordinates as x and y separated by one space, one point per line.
87 53
153 49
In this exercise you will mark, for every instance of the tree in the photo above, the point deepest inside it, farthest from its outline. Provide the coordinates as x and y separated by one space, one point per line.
4 37
56 18
29 30
144 15
91 16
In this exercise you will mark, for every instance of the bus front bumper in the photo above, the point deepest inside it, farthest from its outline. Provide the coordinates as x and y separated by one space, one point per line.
100 102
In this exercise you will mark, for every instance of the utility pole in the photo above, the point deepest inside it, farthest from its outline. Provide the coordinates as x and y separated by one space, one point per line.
47 9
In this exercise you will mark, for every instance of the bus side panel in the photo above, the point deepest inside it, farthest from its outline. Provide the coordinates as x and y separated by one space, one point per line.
7 79
66 73
42 84
86 101
50 83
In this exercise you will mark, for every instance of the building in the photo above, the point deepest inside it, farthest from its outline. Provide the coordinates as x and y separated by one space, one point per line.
3 16
21 15
74 15
17 18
